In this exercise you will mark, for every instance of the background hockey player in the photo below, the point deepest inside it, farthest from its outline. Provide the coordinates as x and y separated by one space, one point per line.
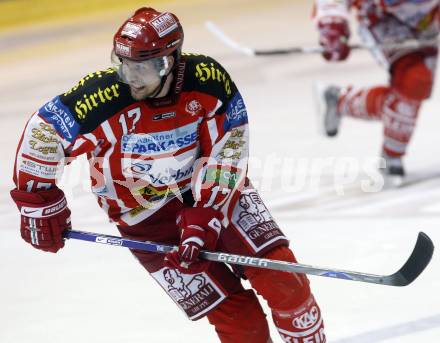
166 135
411 69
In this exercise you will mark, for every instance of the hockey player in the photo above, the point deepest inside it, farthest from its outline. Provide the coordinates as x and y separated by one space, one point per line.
411 69
166 135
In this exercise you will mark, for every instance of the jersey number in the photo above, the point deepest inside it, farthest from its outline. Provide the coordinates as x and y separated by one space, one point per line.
40 185
136 113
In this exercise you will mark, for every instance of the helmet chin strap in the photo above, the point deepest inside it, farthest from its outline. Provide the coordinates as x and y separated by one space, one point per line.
159 88
164 77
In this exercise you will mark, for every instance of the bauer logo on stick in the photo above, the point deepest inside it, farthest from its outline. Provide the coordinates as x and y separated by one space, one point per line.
108 240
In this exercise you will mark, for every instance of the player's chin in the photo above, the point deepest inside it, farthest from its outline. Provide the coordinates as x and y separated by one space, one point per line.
139 93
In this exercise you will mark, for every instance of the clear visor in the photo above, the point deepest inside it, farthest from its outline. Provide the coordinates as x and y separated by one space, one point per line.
140 73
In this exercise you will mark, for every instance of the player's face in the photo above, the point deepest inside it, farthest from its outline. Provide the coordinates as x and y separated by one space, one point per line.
143 77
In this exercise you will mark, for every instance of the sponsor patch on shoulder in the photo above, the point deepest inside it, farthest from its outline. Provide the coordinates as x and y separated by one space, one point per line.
236 113
58 114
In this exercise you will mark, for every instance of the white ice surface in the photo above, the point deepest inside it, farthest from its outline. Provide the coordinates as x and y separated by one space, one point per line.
94 293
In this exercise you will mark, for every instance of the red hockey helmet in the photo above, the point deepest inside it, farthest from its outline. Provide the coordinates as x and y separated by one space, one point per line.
147 34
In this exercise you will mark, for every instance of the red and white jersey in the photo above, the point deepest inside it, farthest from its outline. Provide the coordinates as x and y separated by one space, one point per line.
142 154
419 15
383 22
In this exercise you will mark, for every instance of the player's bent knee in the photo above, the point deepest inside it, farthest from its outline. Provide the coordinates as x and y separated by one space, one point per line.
412 78
240 318
375 99
294 310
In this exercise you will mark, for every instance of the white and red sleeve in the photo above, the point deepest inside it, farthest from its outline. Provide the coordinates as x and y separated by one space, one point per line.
48 135
221 170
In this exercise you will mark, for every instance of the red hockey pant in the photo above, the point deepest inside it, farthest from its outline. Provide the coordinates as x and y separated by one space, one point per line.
239 318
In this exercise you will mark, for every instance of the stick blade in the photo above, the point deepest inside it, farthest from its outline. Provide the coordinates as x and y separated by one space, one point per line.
416 263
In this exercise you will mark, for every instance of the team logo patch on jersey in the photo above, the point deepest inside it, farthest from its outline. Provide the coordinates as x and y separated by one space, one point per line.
164 24
160 142
193 107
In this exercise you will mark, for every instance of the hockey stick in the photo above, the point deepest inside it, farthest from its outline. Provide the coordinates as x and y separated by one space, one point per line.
413 267
214 29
